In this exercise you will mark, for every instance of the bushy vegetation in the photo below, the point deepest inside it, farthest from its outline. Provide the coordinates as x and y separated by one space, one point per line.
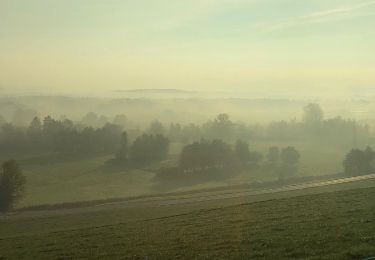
12 185
147 149
359 162
214 160
203 155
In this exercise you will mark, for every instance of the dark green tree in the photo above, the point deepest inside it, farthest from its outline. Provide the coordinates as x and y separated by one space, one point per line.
90 119
204 155
122 153
156 128
175 132
242 151
313 114
289 158
358 162
222 128
12 185
35 128
147 149
121 120
273 154
256 158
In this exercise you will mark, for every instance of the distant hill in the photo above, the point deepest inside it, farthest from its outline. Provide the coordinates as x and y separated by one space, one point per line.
155 91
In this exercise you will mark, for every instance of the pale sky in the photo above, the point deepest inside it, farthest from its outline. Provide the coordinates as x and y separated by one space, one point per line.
101 45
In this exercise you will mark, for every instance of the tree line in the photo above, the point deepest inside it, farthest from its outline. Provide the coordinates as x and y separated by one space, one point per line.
144 150
313 127
211 158
61 136
96 134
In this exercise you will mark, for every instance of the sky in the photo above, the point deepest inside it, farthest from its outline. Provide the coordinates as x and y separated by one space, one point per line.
256 46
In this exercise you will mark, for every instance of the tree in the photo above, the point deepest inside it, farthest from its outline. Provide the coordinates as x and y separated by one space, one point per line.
289 157
175 132
256 158
358 162
191 133
51 127
35 128
108 137
369 157
156 128
103 121
222 118
121 120
34 133
122 153
222 127
312 114
203 155
273 154
242 151
12 185
90 119
22 117
147 149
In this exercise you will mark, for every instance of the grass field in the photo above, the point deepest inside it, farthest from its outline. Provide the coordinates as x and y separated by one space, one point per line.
315 159
333 225
51 179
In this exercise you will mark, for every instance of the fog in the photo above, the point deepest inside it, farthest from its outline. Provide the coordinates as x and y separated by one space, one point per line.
263 48
124 147
160 106
154 80
235 129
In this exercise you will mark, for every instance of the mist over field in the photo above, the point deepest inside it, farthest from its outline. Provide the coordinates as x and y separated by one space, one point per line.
125 147
147 105
192 129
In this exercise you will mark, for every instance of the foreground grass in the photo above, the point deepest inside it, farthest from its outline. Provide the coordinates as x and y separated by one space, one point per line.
337 225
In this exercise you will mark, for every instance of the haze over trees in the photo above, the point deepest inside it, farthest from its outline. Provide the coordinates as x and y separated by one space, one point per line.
95 134
273 155
220 143
62 136
156 128
313 114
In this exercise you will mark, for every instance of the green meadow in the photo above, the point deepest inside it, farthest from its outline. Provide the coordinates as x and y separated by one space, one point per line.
330 225
54 179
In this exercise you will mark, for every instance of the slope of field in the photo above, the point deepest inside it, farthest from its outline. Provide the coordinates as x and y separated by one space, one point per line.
333 225
53 179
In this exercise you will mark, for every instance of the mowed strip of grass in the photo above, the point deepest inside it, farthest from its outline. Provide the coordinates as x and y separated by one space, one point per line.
336 225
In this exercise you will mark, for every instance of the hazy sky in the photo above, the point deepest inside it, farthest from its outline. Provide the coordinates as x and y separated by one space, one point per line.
279 45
